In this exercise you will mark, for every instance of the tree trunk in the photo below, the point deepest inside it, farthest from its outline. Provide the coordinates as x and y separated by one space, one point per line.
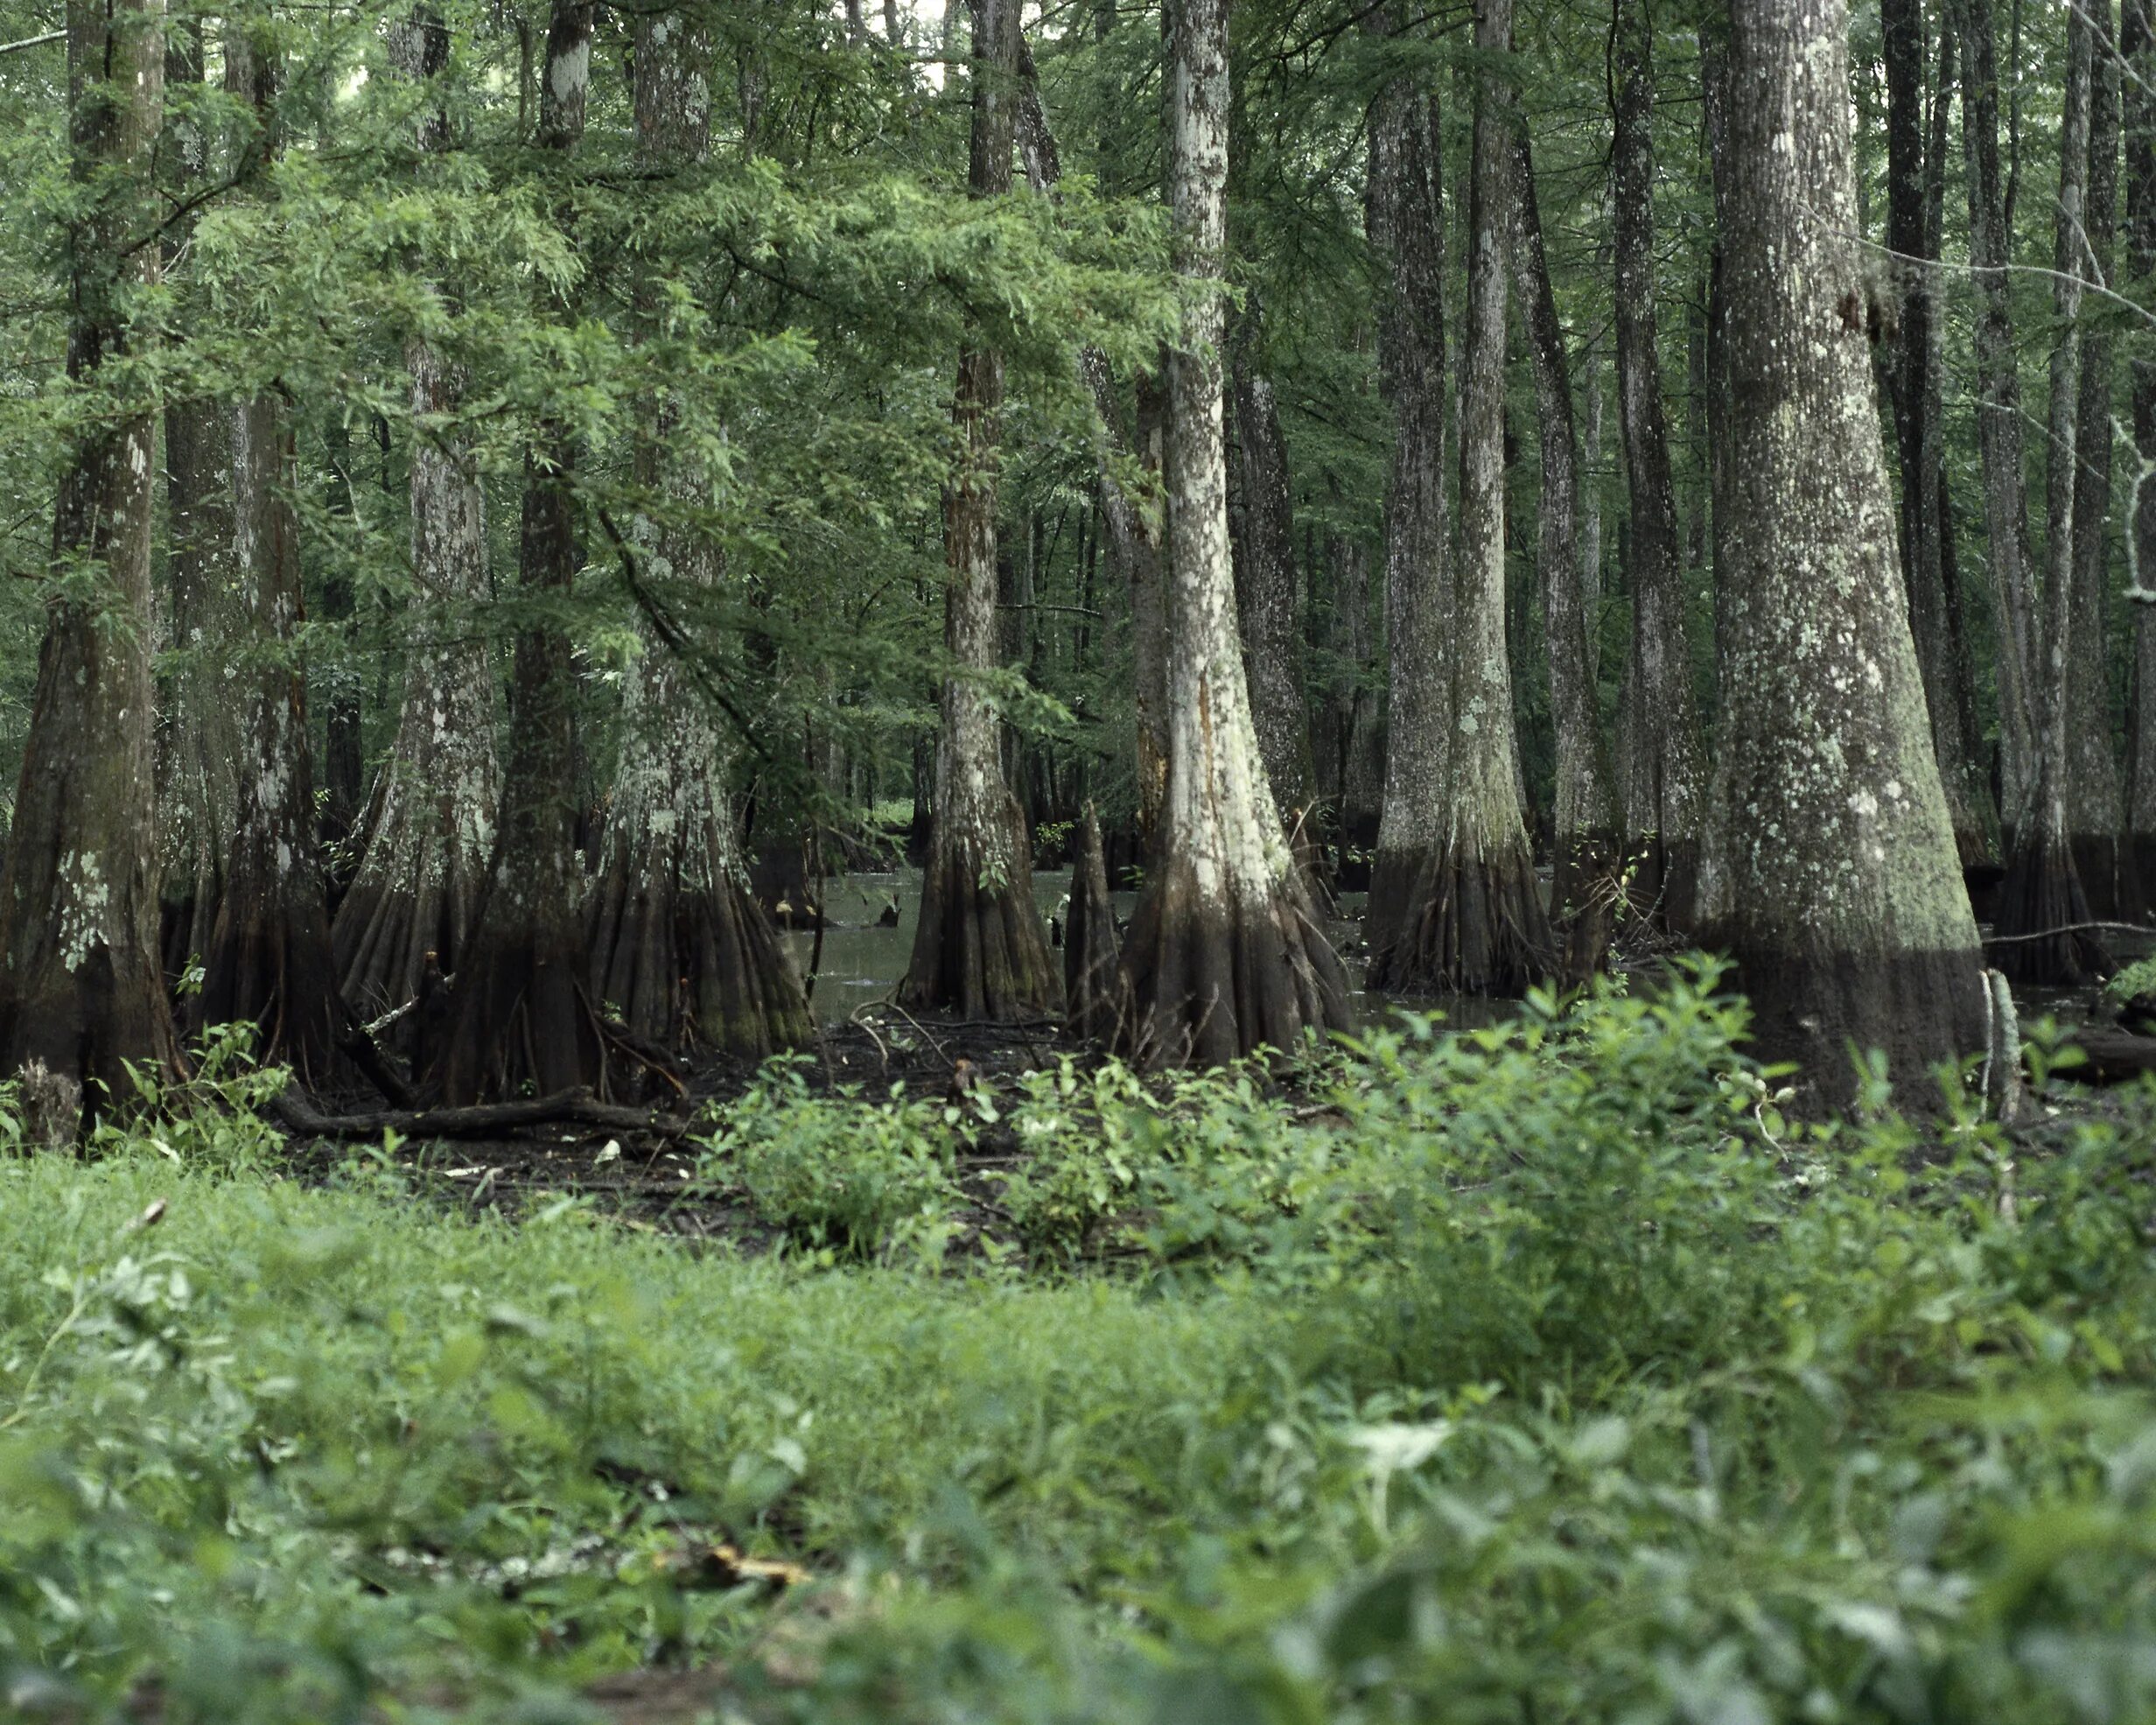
1454 903
1584 886
1998 411
520 1020
677 946
82 991
1830 871
1911 349
269 962
2094 792
980 946
430 833
1225 954
2138 49
344 766
2042 890
1660 771
1092 952
1268 590
198 745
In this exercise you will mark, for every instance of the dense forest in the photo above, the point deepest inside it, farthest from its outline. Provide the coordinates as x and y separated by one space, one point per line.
1244 861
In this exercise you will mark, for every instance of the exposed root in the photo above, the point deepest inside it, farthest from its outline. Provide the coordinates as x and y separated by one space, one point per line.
573 1107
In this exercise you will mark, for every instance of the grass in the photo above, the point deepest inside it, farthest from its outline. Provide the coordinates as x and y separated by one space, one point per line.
1538 1374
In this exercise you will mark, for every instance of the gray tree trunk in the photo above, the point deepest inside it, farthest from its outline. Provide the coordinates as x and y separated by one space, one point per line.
431 831
677 947
980 946
2138 49
1661 768
1584 888
1829 872
1225 954
82 991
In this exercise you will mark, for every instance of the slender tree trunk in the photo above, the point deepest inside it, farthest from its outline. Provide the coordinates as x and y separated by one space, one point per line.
269 962
1092 952
1661 767
1583 892
2043 892
980 946
1269 590
1830 872
344 766
1225 954
677 946
2095 791
1999 411
82 991
429 832
521 1020
1909 354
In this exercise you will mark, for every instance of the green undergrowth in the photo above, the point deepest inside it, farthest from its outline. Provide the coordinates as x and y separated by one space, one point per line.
1539 1373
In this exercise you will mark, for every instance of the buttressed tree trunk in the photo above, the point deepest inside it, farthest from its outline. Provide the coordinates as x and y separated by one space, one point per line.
269 962
2094 792
431 831
1660 770
1269 590
520 1015
1225 954
1999 410
2043 892
1829 872
81 990
1455 907
980 946
677 945
1584 889
1092 990
1914 346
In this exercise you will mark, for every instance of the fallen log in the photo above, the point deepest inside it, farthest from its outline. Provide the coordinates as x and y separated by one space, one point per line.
577 1107
2109 1056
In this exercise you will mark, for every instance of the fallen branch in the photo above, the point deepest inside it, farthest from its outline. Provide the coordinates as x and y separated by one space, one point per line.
2109 1056
2072 928
571 1107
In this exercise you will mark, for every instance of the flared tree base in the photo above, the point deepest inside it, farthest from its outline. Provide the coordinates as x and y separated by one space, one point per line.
270 966
1662 889
695 969
89 1023
1820 1010
381 940
1452 920
2037 934
2107 879
1210 979
980 949
520 1022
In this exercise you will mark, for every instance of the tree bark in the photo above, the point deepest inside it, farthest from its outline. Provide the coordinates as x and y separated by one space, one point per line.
1457 908
343 764
1269 592
1095 1007
2095 791
677 947
1911 351
430 833
521 1019
1225 954
270 961
2043 889
1998 411
2138 50
1584 886
1661 767
81 990
980 946
1829 872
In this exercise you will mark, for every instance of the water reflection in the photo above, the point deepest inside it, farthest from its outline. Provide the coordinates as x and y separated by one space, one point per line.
863 959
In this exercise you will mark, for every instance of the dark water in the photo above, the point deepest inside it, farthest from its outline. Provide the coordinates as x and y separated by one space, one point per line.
862 963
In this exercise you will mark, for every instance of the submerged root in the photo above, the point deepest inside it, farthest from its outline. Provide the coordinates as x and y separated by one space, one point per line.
1210 979
1454 920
